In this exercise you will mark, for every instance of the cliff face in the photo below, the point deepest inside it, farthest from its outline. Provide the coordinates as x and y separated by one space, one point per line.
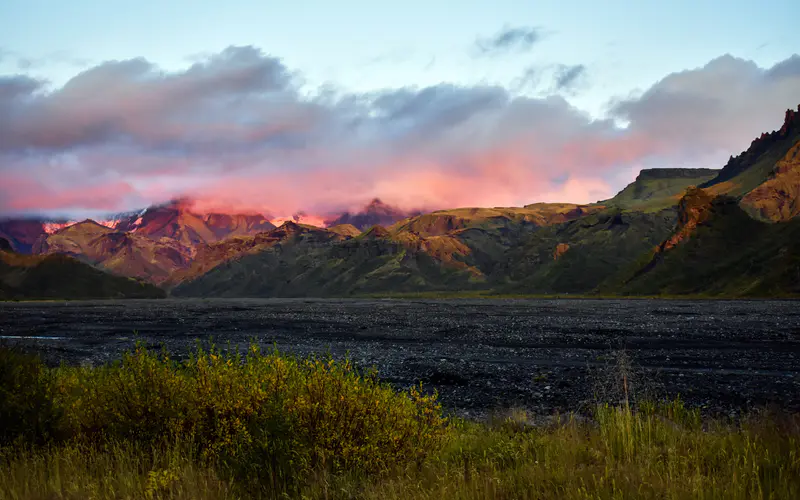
778 198
693 209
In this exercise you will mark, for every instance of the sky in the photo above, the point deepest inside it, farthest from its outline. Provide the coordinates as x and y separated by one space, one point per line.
316 106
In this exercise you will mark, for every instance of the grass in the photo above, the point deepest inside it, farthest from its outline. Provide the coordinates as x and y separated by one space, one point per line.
266 425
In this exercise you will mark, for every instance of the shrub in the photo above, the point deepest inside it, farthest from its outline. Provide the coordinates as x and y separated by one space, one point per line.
270 417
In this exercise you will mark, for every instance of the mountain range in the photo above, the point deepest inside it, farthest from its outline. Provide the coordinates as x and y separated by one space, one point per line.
732 231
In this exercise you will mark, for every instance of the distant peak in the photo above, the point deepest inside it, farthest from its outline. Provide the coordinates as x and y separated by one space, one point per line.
790 119
376 231
89 222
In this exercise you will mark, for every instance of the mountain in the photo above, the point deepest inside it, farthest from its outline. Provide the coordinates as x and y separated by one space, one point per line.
209 256
21 234
376 213
155 244
447 250
125 254
755 165
738 234
287 261
581 255
662 234
227 225
177 221
728 232
778 197
62 277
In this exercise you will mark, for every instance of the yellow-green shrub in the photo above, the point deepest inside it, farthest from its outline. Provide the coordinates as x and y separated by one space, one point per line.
259 415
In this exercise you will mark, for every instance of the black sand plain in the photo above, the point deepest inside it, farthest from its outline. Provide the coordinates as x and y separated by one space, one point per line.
482 355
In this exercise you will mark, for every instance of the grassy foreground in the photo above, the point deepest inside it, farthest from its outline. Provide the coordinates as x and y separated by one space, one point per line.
256 425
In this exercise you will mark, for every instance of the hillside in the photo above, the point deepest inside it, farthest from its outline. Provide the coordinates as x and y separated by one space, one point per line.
126 254
209 256
659 188
446 250
63 277
581 255
719 250
312 267
177 221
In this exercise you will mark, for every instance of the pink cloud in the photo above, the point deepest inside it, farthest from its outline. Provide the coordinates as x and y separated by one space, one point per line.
235 133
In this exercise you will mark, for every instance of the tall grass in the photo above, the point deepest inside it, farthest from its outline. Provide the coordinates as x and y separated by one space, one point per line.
255 425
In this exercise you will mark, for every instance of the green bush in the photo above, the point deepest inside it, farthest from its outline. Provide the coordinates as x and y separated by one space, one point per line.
260 417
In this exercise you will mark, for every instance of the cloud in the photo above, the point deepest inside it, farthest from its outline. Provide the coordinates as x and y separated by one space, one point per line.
60 57
563 79
718 109
530 79
567 77
508 40
235 132
787 68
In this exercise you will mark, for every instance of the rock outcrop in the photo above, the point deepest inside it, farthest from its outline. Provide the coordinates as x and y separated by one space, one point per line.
693 209
778 198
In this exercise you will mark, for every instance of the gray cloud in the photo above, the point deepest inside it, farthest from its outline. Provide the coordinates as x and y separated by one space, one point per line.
720 107
567 77
220 100
787 68
16 87
519 39
53 58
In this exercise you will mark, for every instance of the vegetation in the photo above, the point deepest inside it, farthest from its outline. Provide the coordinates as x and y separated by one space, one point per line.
229 425
62 276
659 188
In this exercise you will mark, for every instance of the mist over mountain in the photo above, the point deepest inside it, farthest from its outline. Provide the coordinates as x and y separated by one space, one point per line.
376 213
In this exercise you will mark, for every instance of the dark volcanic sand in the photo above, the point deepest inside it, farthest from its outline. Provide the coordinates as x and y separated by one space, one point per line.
543 355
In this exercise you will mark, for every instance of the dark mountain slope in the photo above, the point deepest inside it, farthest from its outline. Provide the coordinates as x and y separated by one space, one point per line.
63 277
579 256
320 266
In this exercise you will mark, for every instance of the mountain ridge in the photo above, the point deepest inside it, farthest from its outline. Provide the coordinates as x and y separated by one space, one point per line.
631 243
